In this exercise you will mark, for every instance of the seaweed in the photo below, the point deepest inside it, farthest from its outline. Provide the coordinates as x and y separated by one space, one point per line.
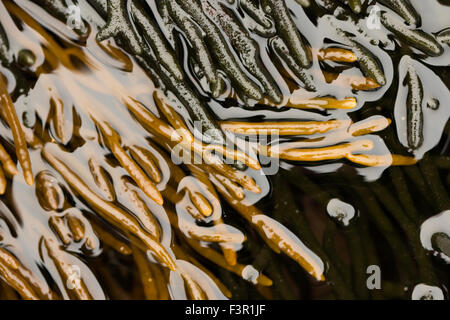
127 187
221 51
283 51
288 32
405 9
247 49
416 38
119 25
444 36
254 10
441 242
414 108
17 132
201 51
60 10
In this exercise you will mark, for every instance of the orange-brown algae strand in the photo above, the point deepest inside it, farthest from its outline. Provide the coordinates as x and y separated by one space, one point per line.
136 173
337 55
17 132
284 128
109 211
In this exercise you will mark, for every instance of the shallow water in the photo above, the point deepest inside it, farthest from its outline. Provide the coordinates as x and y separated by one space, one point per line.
339 216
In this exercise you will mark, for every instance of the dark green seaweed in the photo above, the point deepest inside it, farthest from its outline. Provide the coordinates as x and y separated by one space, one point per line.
156 41
355 5
414 113
253 9
444 36
246 47
414 37
200 48
368 63
405 9
441 242
60 10
288 32
151 62
282 50
4 47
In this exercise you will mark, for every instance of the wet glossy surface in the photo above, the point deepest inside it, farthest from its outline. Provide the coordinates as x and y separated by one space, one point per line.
115 213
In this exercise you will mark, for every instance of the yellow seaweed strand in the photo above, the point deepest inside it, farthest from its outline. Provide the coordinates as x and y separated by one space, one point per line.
17 132
193 191
61 229
156 126
180 252
297 102
8 259
321 103
228 153
171 194
58 118
244 180
177 175
17 282
200 203
367 126
193 289
188 141
207 234
355 81
232 187
172 116
375 124
381 160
